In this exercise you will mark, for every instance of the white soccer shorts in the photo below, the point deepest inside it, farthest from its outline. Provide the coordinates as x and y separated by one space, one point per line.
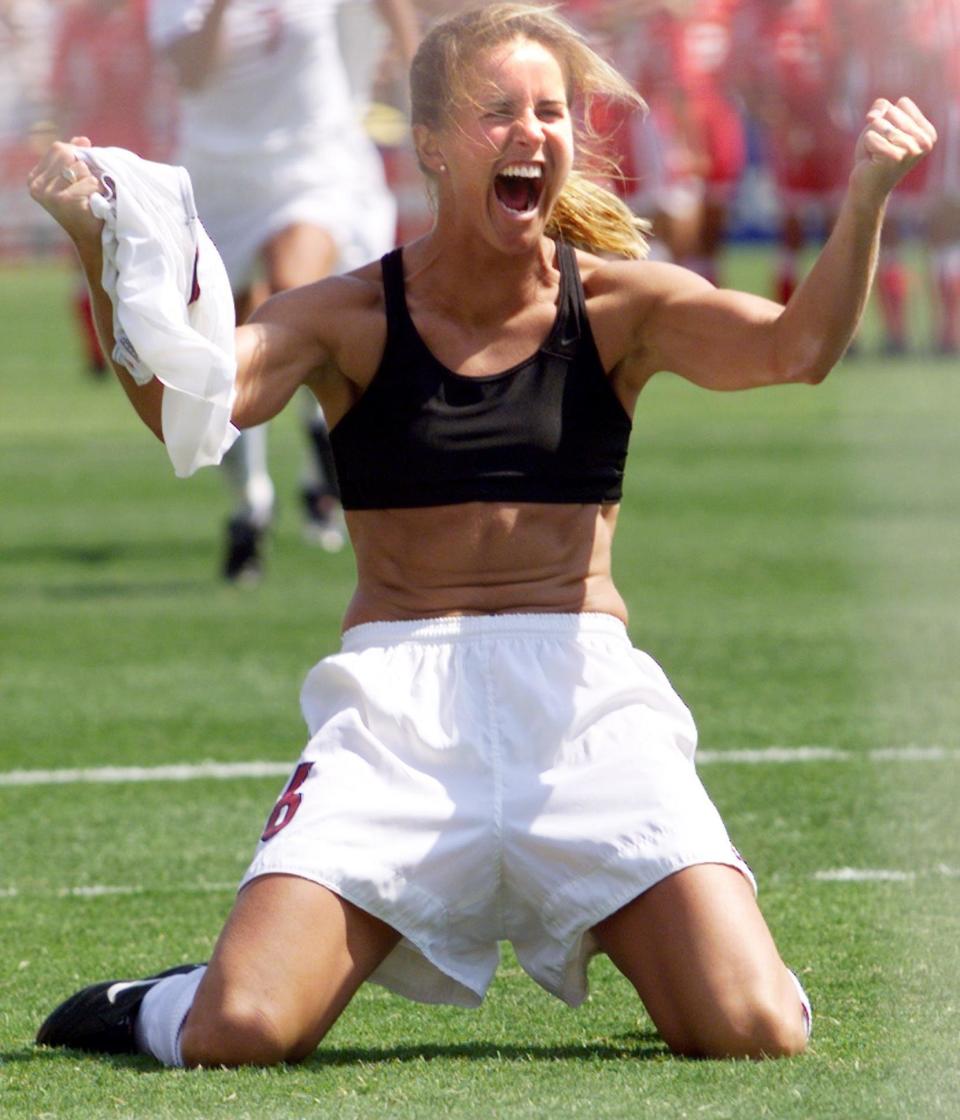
509 777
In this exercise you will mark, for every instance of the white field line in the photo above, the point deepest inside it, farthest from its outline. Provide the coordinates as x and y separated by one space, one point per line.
185 772
754 755
103 890
883 875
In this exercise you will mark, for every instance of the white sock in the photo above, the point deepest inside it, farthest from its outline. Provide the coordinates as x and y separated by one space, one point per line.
163 1013
247 474
804 1003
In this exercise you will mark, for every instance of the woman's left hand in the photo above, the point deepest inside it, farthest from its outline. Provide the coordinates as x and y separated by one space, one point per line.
895 138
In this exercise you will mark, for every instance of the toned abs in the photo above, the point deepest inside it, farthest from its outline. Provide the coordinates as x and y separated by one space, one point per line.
482 558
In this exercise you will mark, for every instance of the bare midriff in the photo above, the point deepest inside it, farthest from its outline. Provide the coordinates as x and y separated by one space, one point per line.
482 558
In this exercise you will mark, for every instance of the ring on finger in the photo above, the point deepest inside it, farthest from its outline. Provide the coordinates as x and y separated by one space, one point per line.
69 175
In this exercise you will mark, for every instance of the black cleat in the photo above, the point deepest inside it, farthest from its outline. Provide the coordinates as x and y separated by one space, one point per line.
243 560
101 1017
323 523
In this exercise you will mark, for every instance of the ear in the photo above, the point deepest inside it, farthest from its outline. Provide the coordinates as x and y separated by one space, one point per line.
427 144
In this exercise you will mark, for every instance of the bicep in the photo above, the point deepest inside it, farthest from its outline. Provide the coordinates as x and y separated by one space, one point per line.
273 360
718 339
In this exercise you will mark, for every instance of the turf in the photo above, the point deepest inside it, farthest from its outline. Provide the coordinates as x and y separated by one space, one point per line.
790 557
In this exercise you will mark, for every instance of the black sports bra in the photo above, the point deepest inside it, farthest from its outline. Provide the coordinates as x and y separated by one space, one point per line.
551 429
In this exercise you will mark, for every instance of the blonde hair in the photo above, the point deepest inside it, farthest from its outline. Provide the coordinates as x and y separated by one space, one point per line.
585 214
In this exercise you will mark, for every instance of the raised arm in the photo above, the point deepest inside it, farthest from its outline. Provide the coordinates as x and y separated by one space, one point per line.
732 340
275 355
63 185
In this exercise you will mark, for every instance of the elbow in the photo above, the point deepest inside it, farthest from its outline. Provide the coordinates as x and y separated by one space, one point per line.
799 374
813 375
807 356
809 368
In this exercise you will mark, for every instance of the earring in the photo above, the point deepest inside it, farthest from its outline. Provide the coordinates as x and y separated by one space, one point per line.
443 167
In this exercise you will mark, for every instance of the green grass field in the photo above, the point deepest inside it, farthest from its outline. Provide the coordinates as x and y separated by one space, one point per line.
790 556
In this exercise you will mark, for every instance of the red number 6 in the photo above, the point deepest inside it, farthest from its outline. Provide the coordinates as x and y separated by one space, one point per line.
286 808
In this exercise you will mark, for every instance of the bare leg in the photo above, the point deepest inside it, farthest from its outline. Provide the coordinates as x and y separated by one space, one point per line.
288 961
299 254
700 956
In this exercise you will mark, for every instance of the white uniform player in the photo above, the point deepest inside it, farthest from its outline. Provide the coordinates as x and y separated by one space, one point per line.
272 140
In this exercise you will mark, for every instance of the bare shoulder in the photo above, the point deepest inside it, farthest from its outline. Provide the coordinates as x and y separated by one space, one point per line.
323 303
624 299
342 316
649 316
633 280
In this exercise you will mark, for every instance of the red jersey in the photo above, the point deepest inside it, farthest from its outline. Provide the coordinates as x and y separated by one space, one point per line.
798 54
898 51
911 51
702 46
106 81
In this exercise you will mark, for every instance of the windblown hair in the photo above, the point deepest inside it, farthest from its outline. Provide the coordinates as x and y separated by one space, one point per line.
585 214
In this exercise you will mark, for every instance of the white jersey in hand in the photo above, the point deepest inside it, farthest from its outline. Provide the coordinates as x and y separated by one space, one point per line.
173 314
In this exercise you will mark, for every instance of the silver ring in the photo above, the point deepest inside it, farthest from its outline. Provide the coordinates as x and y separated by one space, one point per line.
69 174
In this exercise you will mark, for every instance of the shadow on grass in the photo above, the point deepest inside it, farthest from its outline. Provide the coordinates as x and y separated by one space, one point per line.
92 561
639 1046
128 589
81 555
96 554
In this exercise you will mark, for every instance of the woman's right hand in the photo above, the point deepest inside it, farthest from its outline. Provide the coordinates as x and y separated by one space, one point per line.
63 183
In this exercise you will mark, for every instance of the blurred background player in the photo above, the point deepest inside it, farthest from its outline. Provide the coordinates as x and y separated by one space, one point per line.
689 82
624 137
794 86
105 83
26 128
290 189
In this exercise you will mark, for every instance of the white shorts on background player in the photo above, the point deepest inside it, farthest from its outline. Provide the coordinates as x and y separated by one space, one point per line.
338 187
479 779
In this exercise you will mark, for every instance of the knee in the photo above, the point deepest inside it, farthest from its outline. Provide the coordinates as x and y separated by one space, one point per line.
771 1029
240 1032
758 1027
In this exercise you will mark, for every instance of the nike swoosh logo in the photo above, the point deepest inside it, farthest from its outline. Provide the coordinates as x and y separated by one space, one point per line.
118 989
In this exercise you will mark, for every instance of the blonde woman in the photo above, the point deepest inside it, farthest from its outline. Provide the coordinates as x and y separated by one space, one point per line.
489 758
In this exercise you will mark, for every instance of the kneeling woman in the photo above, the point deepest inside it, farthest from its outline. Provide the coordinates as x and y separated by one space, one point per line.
489 758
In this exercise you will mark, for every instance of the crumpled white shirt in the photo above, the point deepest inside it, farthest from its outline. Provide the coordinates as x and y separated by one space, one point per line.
173 311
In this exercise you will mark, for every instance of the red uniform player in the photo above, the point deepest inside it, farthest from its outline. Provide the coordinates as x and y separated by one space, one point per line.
686 74
795 88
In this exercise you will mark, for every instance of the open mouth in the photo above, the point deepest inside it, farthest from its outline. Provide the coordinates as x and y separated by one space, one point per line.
519 186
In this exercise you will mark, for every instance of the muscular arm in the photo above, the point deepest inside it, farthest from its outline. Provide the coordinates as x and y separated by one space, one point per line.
287 345
146 399
277 351
733 340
